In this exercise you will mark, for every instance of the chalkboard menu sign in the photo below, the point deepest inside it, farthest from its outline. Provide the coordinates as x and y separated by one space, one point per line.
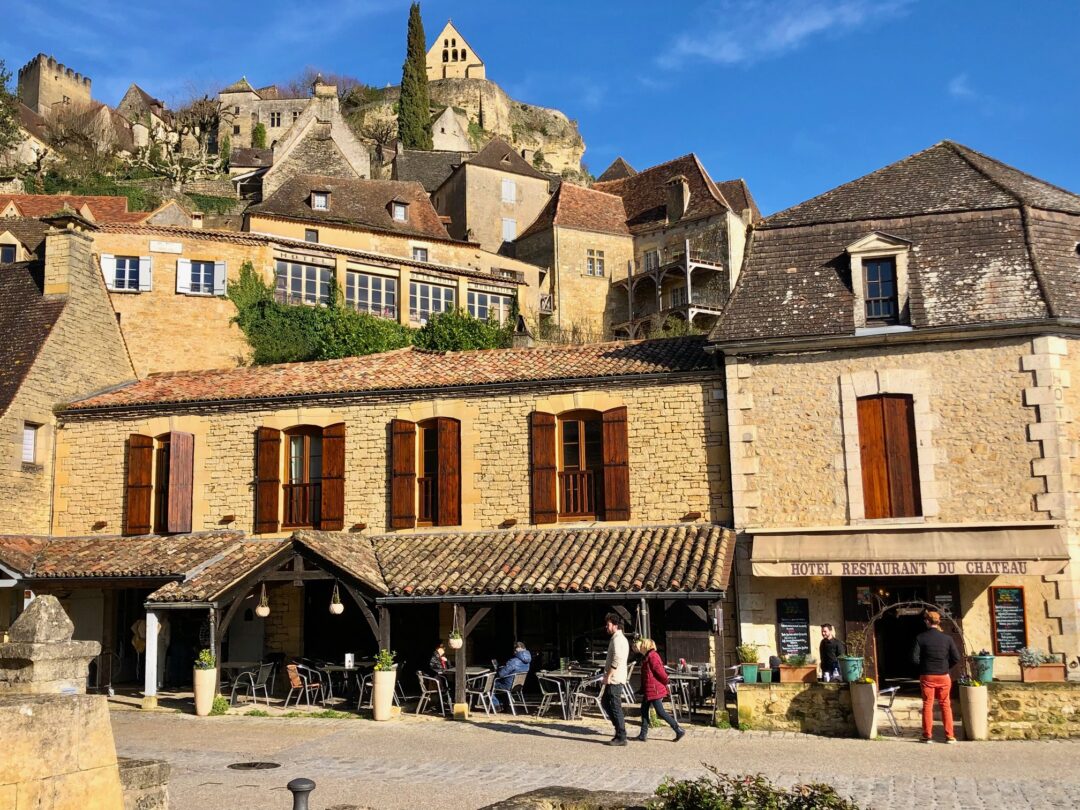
793 619
1009 620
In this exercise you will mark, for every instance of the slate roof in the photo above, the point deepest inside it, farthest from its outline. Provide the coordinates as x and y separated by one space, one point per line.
618 170
583 209
645 197
498 154
250 157
411 369
241 86
429 169
102 208
356 203
26 320
970 262
596 559
31 232
32 122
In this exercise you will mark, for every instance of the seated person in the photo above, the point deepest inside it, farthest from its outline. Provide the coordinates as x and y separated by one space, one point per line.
519 662
439 666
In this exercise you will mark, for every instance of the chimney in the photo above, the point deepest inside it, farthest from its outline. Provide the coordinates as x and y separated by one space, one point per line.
196 219
678 197
67 248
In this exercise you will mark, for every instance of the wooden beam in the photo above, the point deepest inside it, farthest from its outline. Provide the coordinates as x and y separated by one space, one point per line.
459 655
481 613
700 612
362 604
293 576
384 627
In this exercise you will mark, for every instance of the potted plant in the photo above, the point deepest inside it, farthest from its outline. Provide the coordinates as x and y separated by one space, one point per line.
205 678
336 608
982 666
864 706
748 659
1039 667
456 640
975 708
382 701
851 664
798 668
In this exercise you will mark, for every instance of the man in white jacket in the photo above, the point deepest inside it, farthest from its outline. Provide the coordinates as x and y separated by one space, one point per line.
618 652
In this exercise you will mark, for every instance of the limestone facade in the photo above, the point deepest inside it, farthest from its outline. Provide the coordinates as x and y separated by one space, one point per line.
243 108
451 57
43 82
677 452
480 209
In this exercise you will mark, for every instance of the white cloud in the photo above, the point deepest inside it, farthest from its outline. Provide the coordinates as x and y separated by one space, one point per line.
735 32
959 87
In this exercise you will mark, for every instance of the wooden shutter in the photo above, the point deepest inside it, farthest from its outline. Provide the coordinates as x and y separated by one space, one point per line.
888 456
616 448
449 473
267 479
139 492
183 275
402 474
108 270
181 473
146 273
901 456
332 517
219 278
542 467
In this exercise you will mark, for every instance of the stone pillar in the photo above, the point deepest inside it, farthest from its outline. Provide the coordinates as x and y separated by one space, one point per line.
149 700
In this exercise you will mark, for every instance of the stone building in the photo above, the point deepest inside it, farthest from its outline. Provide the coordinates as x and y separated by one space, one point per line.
54 313
450 132
451 57
905 342
243 107
492 197
582 240
43 83
689 234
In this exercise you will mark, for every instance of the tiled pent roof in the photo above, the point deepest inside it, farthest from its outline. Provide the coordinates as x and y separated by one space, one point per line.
102 208
582 209
413 369
618 169
26 321
597 559
988 244
500 155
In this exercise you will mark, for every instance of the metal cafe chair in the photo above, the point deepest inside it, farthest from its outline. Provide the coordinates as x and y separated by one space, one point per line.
628 697
314 676
480 689
300 685
364 684
252 681
551 693
429 687
886 707
515 689
584 695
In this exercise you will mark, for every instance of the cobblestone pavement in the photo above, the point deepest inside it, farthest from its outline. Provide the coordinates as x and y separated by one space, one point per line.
420 762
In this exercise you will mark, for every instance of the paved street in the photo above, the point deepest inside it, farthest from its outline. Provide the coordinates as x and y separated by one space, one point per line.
420 762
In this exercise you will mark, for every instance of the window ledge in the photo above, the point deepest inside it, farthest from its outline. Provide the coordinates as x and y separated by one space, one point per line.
903 521
199 295
31 467
881 330
125 292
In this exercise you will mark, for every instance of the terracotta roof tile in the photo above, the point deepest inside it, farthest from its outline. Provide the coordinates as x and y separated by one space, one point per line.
582 209
31 232
618 170
214 576
412 369
103 209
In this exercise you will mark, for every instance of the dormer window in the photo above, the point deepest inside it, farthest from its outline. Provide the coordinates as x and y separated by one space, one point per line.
879 280
399 211
320 200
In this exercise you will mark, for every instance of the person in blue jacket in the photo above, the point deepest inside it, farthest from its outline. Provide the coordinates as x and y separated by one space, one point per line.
519 662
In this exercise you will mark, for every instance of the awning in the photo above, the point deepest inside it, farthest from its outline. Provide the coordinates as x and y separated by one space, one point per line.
1035 550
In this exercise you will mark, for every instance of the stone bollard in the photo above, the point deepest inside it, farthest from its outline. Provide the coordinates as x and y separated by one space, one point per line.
301 789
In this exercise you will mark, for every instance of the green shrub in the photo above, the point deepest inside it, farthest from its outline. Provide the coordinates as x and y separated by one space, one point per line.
210 204
221 706
723 792
257 713
258 136
455 331
55 182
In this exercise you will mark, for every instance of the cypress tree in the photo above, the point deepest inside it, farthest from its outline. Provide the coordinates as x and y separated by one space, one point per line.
414 106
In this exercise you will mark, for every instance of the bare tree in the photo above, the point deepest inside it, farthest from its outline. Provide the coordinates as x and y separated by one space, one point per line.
188 150
84 135
300 85
382 131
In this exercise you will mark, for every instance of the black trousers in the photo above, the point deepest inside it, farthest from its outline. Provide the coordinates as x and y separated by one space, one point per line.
612 702
661 712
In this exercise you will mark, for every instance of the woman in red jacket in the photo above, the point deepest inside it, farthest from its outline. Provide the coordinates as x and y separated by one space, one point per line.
654 680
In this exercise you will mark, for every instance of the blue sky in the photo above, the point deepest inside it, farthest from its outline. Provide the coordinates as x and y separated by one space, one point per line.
796 97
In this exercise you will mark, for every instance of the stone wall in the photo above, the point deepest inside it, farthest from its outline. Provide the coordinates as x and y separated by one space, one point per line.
484 209
1034 711
589 303
61 373
283 628
145 783
219 187
816 708
677 446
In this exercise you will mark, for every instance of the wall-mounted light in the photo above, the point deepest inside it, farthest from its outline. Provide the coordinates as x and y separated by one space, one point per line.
262 610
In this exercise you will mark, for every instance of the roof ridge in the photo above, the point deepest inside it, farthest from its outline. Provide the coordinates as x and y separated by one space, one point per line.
957 150
960 149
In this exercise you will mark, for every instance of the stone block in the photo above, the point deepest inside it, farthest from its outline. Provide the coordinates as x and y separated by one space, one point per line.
1049 344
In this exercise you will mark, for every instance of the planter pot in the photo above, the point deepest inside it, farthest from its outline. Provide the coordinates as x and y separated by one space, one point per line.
750 672
765 675
864 708
982 668
974 704
793 674
206 685
851 668
456 643
1043 673
337 608
382 702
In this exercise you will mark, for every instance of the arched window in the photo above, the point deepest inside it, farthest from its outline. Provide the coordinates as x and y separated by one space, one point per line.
453 43
446 43
463 54
303 476
445 55
581 464
454 55
426 473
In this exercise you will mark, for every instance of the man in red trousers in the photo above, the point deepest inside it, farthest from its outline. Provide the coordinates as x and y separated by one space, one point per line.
935 653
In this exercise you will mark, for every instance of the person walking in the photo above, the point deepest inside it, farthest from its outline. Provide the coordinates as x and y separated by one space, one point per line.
614 676
654 688
935 654
829 651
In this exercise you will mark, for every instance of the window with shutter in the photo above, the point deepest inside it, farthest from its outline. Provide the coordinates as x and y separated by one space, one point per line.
889 458
543 467
402 474
302 490
332 518
438 481
616 465
267 479
139 484
181 471
581 466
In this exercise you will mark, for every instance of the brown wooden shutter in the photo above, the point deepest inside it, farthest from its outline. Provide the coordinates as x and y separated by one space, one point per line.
181 473
402 474
267 479
332 516
875 477
543 467
616 446
901 456
139 490
449 473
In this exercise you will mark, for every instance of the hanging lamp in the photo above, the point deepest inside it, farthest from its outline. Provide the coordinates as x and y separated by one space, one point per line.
262 610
